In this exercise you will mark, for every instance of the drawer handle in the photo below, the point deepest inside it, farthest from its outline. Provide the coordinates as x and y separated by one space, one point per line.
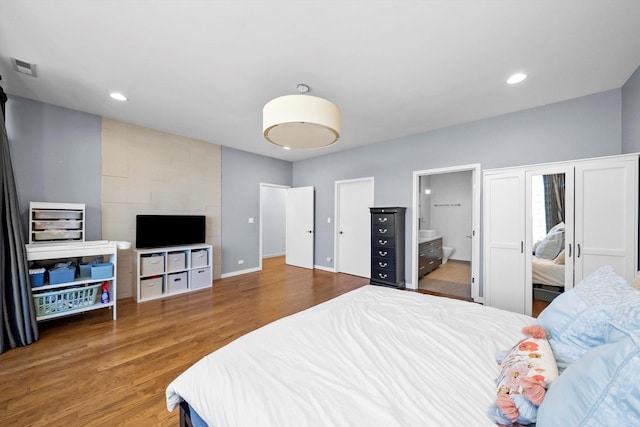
431 262
383 253
382 230
151 285
177 279
421 268
154 261
383 219
382 276
383 242
383 264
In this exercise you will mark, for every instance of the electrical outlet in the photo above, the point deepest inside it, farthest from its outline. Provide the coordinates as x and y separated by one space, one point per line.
250 220
329 259
329 220
240 261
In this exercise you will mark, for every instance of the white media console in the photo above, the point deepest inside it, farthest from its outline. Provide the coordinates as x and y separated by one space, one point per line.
166 271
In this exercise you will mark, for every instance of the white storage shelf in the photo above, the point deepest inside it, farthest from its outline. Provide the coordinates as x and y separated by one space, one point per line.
162 272
46 253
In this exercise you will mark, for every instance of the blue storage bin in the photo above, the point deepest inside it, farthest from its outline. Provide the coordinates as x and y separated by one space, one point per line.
37 279
102 271
64 275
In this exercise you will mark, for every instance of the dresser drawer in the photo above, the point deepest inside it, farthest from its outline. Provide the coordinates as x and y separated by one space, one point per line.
382 242
383 275
382 231
383 263
387 253
383 219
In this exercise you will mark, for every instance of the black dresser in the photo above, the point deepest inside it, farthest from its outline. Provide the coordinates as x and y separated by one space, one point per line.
387 247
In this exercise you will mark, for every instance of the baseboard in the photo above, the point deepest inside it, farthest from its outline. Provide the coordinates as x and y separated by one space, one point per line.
239 272
273 255
322 267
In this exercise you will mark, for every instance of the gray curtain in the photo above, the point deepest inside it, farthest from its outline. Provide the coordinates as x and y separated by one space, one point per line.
19 326
554 199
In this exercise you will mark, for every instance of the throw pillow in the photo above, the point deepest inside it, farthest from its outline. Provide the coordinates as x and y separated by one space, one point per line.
552 244
578 319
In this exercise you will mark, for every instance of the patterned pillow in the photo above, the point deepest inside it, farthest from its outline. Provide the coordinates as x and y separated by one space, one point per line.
552 243
578 319
600 389
527 369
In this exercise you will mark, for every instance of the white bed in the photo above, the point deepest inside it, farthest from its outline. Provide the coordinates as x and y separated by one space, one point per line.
372 357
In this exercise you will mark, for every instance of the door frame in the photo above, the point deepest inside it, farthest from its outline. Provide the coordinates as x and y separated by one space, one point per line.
476 177
336 213
262 185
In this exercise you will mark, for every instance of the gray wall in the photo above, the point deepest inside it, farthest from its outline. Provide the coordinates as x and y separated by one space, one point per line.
242 173
631 114
56 155
589 126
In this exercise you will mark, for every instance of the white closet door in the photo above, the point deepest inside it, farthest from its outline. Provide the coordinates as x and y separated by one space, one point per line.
300 227
504 216
606 198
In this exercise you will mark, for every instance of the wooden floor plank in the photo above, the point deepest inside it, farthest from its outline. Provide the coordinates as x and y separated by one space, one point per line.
87 370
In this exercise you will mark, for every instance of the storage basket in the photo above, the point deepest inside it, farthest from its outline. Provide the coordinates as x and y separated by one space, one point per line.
63 275
65 299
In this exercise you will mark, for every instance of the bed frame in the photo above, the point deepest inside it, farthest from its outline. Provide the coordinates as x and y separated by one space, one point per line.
185 415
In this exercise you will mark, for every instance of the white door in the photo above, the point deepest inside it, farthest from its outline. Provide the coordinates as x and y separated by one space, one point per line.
605 217
504 229
300 227
353 225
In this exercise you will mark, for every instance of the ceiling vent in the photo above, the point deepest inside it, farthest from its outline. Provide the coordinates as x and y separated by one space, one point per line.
24 67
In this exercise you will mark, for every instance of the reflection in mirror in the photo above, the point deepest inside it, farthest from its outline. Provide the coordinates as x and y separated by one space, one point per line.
548 235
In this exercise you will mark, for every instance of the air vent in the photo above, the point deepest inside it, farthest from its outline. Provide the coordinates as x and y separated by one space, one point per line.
24 67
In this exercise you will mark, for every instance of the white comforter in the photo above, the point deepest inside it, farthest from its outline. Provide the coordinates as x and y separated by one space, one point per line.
372 357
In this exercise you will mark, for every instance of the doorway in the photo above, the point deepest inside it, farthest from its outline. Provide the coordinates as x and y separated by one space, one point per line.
446 244
273 199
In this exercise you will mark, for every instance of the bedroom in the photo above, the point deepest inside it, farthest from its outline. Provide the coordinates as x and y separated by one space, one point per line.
601 123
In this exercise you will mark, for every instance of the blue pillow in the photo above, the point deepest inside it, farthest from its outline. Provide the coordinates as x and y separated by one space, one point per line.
625 318
601 389
578 319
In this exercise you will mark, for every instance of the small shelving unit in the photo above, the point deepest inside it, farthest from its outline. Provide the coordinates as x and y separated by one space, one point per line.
173 270
56 222
44 254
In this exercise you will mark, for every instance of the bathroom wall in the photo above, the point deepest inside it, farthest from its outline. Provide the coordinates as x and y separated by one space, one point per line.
424 219
451 211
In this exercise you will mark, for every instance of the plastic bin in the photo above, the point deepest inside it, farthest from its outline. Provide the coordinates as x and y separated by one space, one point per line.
65 300
102 271
62 275
37 279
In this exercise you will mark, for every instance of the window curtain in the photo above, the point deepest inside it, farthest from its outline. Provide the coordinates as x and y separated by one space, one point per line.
17 314
554 199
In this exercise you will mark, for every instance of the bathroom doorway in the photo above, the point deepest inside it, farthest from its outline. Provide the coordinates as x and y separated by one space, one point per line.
445 225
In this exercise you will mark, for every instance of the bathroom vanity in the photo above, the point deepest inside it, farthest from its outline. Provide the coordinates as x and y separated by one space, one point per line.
429 255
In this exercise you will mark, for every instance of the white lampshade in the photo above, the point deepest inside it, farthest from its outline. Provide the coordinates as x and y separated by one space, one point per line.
301 121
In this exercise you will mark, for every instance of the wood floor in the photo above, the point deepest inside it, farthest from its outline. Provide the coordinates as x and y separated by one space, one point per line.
88 370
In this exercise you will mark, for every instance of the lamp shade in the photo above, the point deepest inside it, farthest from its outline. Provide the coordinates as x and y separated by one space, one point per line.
301 121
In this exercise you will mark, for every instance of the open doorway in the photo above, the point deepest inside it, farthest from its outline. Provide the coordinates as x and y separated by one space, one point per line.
273 199
445 241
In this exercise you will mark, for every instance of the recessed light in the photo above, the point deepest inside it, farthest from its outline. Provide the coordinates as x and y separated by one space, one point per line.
516 78
118 96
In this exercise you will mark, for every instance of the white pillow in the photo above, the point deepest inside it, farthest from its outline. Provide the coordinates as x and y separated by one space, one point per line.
552 244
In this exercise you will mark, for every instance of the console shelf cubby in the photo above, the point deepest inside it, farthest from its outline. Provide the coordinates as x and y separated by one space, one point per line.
172 270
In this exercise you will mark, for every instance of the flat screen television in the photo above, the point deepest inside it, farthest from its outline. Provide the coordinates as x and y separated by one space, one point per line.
155 231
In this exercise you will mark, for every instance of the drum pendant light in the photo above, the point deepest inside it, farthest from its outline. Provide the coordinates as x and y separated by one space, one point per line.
301 121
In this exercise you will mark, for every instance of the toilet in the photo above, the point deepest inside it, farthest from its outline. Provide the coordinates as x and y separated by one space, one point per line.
446 253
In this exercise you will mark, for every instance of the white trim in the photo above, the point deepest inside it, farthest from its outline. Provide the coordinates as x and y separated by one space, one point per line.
336 209
322 267
274 255
239 272
262 185
475 248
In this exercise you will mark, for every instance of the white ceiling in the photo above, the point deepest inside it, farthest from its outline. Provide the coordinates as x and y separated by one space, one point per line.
205 69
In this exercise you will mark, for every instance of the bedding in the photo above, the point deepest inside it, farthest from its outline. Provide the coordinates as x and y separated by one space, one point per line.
375 356
547 272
